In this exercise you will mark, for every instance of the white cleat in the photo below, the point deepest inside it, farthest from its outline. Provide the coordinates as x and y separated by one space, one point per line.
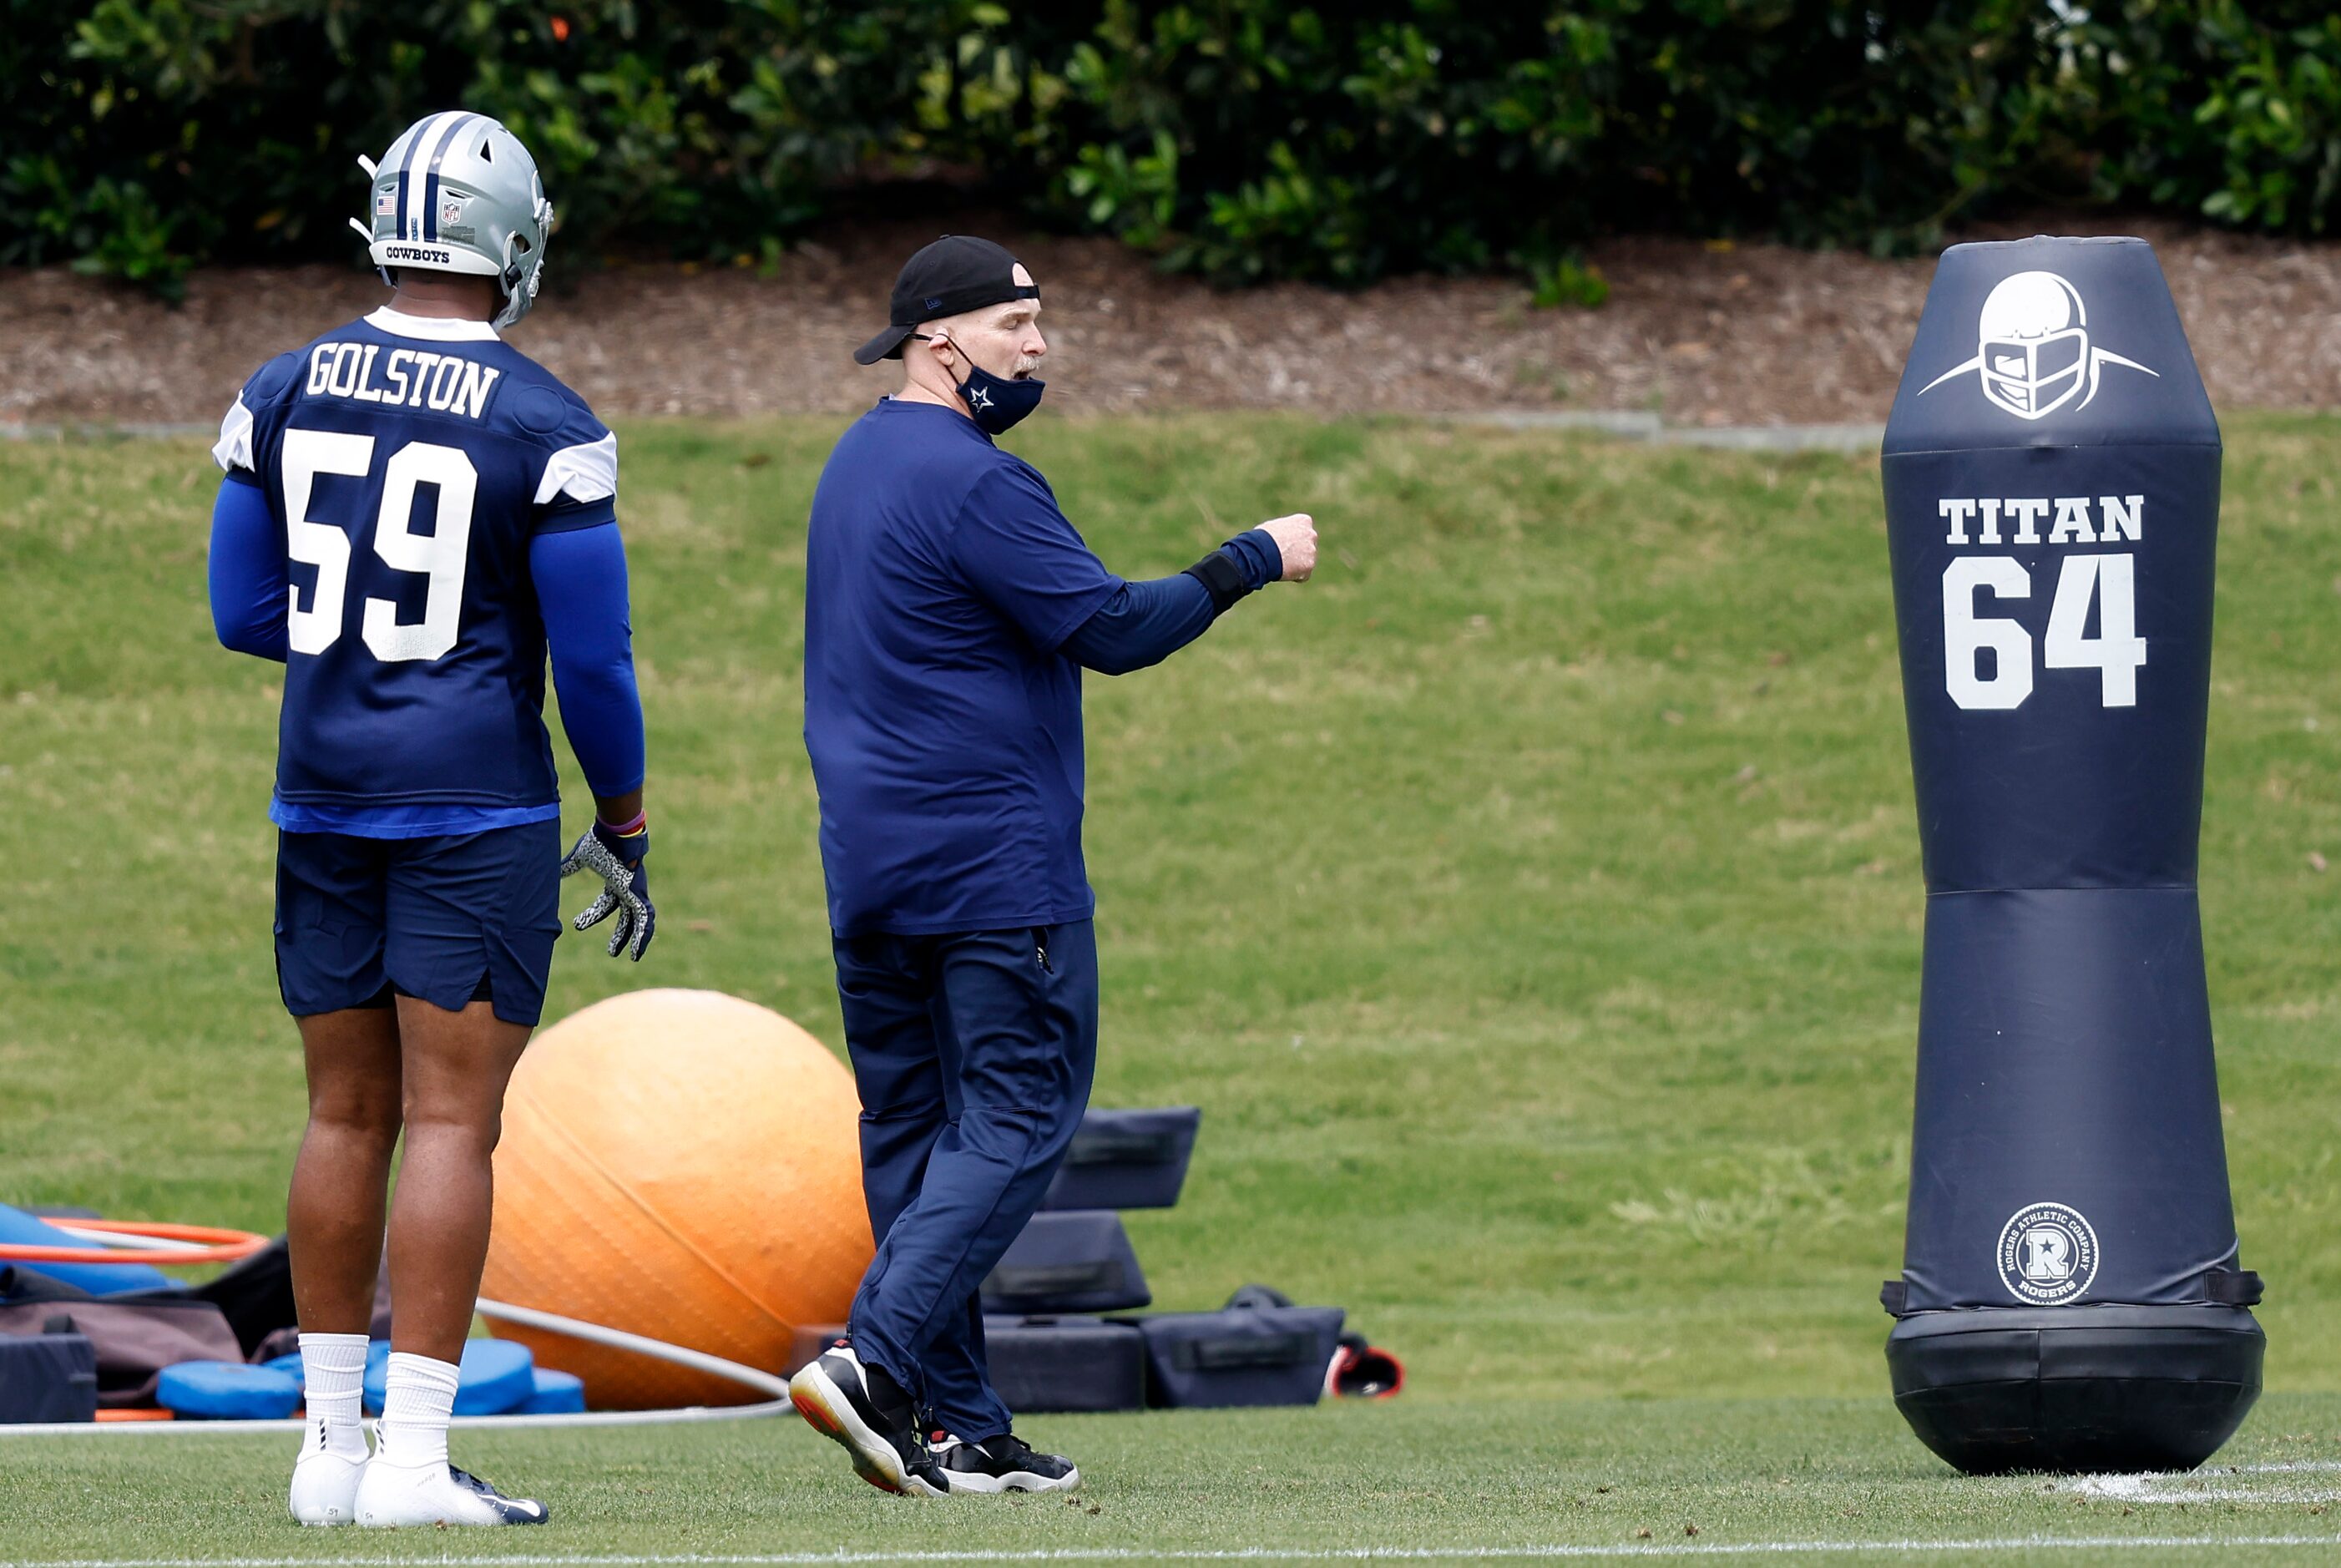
391 1495
325 1484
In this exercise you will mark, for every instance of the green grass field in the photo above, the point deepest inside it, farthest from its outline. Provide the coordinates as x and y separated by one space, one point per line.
1531 902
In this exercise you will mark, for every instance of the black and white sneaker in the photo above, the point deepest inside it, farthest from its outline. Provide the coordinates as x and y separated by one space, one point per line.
1002 1464
867 1413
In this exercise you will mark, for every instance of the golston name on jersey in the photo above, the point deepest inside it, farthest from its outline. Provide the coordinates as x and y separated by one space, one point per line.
401 377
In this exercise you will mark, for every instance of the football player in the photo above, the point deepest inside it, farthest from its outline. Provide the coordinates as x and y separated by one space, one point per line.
413 512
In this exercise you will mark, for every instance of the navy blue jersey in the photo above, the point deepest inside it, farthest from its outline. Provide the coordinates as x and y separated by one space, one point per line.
942 713
408 461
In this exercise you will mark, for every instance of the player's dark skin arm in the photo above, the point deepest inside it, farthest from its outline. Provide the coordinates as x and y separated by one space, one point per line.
617 809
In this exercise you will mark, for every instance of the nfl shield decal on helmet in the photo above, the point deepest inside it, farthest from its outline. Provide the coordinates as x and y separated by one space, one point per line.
2033 352
451 209
2048 1254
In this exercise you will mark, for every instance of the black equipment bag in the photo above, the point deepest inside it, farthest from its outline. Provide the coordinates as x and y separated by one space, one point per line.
1066 1363
47 1377
1079 1260
257 1296
1126 1159
1242 1355
136 1335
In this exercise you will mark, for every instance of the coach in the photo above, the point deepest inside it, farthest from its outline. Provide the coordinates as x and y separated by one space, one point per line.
949 610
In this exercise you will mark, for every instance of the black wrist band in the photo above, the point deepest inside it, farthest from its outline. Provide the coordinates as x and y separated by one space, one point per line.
1221 578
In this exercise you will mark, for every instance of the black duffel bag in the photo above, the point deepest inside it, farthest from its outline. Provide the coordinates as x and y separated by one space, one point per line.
135 1334
1126 1159
1066 1363
1079 1260
1248 1352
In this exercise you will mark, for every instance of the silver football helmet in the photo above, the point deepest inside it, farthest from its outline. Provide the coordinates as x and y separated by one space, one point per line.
458 192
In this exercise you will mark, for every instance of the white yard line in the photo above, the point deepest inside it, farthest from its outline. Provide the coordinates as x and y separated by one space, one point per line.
1248 1554
2219 1483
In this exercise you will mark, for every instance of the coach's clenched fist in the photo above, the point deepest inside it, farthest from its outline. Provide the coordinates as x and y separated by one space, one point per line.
1296 541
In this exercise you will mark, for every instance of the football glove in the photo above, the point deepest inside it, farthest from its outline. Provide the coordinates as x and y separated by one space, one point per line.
617 859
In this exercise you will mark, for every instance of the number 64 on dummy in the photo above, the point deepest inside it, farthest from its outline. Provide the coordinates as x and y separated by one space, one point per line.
1988 660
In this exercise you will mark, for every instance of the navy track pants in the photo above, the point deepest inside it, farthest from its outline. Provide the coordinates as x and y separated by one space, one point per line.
973 1055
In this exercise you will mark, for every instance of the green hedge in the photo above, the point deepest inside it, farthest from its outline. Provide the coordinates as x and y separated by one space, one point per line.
1242 139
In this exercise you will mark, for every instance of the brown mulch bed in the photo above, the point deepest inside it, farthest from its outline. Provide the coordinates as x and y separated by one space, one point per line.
1712 335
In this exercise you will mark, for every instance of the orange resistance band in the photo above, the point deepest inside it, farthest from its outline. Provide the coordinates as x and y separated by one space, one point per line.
209 1244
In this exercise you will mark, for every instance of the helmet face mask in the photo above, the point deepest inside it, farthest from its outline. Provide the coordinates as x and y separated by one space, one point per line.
457 193
2031 376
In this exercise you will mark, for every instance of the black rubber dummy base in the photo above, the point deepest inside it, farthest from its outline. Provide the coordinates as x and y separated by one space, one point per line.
2089 1389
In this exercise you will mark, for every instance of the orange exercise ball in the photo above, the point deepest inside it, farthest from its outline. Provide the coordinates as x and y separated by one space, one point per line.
681 1165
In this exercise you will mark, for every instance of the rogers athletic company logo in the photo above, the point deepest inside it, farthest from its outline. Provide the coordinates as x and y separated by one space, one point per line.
2048 1254
436 253
2033 353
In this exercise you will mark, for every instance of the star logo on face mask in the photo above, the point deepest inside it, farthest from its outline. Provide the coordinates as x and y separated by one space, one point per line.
978 399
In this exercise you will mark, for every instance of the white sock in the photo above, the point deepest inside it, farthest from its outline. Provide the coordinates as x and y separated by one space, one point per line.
417 1400
333 1368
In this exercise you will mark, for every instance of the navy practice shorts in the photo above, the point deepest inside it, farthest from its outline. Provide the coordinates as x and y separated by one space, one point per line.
450 920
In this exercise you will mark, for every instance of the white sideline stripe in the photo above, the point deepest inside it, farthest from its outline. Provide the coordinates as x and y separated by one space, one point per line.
1244 1555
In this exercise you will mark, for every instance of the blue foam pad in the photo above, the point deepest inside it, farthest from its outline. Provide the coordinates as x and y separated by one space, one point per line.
290 1364
377 1368
557 1394
227 1391
497 1376
18 1228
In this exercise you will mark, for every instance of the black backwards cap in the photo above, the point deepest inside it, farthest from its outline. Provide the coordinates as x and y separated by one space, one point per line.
958 273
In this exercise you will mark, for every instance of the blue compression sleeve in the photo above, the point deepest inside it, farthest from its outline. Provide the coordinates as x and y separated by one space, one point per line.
247 572
580 589
1145 622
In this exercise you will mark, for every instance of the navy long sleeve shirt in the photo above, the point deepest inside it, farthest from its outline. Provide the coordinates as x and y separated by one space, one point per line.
1145 622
